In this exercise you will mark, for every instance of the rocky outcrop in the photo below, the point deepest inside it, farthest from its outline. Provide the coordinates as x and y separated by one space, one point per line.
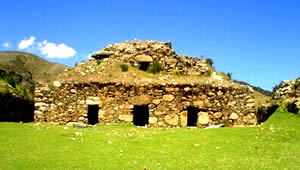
64 102
289 92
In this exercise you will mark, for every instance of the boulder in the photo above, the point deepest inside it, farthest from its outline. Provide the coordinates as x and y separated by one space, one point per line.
183 118
153 120
171 119
143 58
234 116
93 100
126 118
168 97
141 100
56 84
218 115
203 118
157 113
80 125
199 103
156 101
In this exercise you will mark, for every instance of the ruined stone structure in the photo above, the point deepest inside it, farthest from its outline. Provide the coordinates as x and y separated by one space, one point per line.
155 104
160 105
139 53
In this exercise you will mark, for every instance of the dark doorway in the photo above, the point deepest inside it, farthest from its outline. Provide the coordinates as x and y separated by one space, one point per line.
93 114
140 115
192 115
144 65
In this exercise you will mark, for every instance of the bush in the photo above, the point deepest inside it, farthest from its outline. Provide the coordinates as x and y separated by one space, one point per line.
229 75
11 78
292 108
155 68
98 61
123 67
209 61
176 72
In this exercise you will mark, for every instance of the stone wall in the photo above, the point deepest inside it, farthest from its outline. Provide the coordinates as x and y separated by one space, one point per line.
167 103
152 51
288 91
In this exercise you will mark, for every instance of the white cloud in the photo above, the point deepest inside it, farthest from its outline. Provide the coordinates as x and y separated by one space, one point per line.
52 50
5 45
26 43
89 56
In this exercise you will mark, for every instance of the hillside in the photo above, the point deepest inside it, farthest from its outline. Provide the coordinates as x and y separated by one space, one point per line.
18 74
30 66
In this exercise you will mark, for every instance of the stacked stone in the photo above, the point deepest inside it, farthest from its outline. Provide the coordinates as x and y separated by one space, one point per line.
167 103
153 51
288 91
285 90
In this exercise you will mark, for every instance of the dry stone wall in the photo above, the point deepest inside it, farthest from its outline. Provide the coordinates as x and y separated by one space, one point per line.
288 91
138 51
167 103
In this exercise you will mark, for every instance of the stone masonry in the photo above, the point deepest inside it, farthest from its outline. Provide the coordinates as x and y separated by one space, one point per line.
167 103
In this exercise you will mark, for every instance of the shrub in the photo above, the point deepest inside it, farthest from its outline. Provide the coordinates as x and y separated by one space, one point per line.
155 68
209 61
292 108
11 78
229 75
123 67
176 72
98 62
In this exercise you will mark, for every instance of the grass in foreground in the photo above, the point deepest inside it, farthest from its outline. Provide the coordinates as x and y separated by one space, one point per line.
274 145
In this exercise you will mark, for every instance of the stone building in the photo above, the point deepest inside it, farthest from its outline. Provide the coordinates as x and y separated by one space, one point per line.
161 103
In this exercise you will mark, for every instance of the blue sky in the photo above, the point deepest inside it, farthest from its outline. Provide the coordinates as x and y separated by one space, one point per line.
258 41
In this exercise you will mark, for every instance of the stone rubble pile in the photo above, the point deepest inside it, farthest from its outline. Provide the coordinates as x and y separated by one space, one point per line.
137 51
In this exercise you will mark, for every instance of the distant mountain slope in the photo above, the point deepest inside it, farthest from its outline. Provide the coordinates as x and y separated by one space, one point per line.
258 89
30 66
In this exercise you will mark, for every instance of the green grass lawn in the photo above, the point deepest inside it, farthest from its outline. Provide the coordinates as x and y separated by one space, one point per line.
274 145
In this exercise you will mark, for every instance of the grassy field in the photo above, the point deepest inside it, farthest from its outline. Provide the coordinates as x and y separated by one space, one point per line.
274 145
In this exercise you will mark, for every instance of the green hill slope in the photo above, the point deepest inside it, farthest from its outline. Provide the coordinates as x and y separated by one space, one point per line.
30 66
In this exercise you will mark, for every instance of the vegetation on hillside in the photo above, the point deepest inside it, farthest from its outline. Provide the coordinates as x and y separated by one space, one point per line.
262 91
12 83
31 67
155 68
